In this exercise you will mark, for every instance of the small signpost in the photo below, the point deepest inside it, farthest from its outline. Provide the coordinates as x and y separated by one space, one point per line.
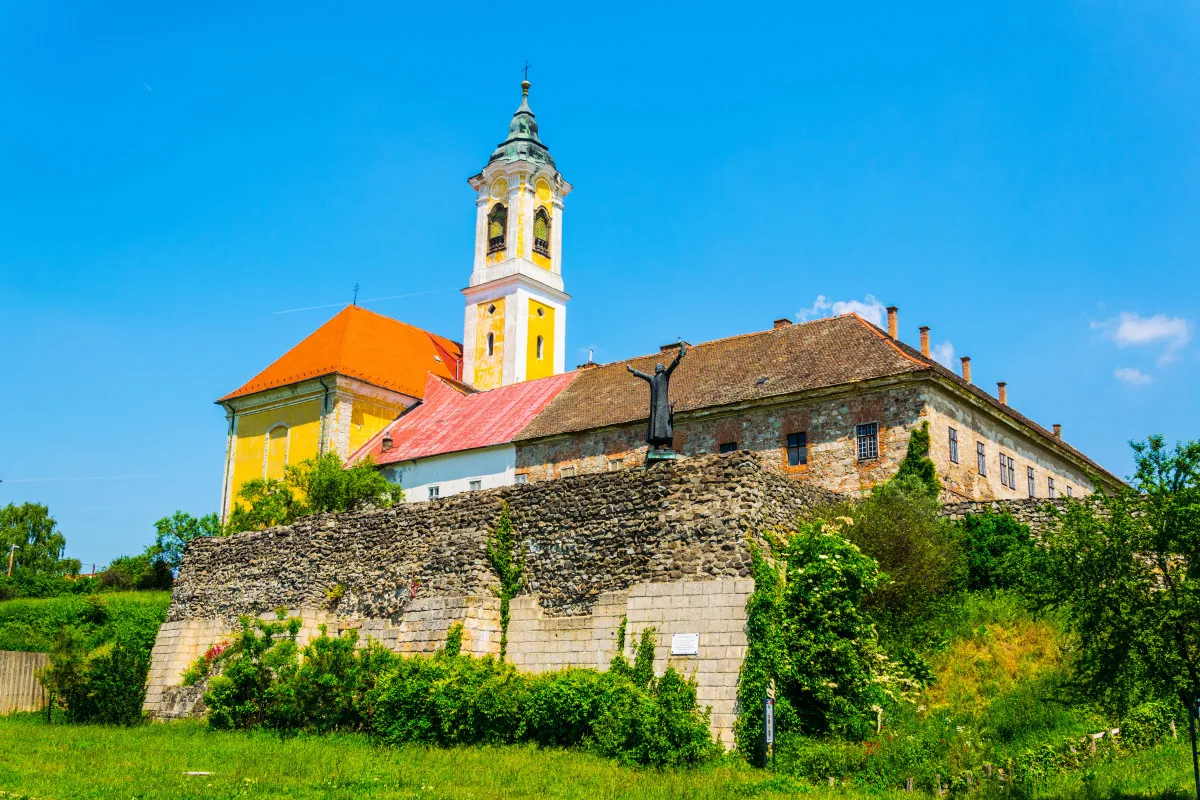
769 724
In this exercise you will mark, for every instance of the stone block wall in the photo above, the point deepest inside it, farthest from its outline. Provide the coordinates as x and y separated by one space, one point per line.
663 546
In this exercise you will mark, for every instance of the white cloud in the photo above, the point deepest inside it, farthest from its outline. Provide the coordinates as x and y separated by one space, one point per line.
943 354
1131 376
868 308
1130 329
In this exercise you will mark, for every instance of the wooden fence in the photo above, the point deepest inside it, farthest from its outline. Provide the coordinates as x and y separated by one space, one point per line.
19 687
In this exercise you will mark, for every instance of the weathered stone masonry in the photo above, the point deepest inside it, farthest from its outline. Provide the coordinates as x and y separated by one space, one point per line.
664 547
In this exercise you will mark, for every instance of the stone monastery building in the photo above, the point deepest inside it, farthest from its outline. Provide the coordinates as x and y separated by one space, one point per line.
831 401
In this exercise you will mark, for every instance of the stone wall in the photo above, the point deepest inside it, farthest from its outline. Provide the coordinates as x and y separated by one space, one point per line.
1039 515
829 423
664 546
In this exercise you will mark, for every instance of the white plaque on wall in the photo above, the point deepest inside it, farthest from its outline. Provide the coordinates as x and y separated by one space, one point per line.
685 644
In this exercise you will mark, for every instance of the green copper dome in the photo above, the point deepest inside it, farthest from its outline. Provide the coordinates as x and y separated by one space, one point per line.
523 143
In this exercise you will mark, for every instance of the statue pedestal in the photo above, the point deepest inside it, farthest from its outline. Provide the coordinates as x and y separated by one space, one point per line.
654 456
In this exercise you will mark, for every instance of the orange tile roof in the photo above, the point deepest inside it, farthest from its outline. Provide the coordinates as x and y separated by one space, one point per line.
361 344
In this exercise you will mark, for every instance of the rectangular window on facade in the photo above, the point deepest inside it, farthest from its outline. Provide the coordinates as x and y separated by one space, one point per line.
1050 488
867 438
728 447
1070 492
980 458
1012 473
567 472
433 492
476 485
1032 484
521 479
1003 469
616 464
797 449
953 446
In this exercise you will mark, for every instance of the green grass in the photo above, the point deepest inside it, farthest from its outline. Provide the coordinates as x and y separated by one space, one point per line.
30 624
149 762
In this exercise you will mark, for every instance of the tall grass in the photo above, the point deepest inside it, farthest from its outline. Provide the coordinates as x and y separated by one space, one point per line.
81 762
30 624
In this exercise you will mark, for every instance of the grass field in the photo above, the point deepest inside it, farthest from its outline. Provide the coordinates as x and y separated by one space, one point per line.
150 762
29 624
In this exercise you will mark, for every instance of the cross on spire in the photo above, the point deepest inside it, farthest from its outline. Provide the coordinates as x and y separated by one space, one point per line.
526 70
356 293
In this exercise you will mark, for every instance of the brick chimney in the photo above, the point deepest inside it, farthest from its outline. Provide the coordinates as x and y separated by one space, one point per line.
966 368
387 442
782 323
1058 430
924 329
893 322
1002 392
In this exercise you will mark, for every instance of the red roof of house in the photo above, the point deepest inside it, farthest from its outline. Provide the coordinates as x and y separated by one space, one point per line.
361 344
452 418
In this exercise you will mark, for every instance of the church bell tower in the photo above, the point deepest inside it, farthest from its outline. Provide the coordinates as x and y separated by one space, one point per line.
516 309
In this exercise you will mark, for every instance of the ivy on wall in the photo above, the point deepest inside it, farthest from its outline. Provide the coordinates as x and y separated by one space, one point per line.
509 566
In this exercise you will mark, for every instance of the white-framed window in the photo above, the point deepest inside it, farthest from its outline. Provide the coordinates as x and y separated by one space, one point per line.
953 446
615 464
1050 488
1032 481
866 436
567 472
433 492
475 485
521 479
981 458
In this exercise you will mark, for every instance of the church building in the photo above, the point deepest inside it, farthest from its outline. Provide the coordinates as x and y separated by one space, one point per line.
832 401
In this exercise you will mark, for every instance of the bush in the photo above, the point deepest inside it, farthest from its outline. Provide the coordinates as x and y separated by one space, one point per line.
899 525
113 688
996 548
449 699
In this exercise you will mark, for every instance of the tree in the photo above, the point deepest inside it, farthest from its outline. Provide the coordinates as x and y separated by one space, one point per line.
175 531
1127 568
916 462
39 543
67 667
317 485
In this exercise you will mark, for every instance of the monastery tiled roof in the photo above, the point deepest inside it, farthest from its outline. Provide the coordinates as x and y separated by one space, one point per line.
797 358
362 344
452 418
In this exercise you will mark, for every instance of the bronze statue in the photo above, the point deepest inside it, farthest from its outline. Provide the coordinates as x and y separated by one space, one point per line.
659 432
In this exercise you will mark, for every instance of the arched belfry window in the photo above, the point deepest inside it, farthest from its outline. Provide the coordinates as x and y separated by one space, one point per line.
541 232
491 344
497 225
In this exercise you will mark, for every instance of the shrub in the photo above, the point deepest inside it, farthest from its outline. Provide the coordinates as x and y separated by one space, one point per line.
899 526
995 547
450 699
113 688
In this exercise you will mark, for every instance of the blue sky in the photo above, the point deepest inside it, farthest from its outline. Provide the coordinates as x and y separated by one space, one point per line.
1023 177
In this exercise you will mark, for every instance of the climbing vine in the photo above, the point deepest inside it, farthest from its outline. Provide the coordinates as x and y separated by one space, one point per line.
509 566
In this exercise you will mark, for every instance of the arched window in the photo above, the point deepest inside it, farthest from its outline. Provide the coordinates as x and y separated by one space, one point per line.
491 343
541 348
275 457
541 232
497 225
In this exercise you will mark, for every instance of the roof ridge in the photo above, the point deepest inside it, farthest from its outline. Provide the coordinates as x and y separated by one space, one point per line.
873 328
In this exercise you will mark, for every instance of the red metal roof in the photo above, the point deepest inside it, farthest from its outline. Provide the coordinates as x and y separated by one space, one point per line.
451 418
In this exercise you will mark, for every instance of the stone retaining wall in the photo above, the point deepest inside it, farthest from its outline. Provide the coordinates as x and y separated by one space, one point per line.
664 546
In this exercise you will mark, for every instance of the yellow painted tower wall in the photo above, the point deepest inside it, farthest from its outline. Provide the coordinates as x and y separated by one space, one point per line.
499 192
489 369
303 438
541 323
543 194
